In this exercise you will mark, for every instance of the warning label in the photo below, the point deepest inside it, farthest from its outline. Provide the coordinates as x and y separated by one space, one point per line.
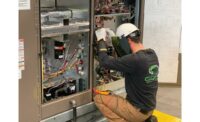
21 57
24 4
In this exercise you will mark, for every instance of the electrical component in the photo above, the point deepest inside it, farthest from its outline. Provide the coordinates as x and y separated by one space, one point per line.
59 50
64 89
110 6
82 85
64 17
64 62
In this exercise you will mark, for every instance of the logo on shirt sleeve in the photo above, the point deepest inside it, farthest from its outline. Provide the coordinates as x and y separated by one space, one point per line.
153 74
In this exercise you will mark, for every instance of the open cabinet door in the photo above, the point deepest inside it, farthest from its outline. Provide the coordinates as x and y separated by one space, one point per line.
29 83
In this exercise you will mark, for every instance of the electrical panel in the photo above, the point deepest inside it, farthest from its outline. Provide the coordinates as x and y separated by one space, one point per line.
111 14
65 49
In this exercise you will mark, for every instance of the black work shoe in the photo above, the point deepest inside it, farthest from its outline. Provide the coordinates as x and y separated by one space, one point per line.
152 118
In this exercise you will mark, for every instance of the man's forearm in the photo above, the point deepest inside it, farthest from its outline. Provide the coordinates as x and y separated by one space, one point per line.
102 46
102 52
120 64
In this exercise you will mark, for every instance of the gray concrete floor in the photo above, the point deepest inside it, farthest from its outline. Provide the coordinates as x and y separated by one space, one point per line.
169 100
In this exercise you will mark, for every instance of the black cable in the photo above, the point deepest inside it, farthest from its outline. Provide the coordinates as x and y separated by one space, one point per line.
55 4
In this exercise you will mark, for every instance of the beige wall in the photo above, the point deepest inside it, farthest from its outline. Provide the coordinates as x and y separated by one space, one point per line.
162 31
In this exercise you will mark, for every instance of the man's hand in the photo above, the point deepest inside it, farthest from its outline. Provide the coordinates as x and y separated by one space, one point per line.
110 33
104 34
101 34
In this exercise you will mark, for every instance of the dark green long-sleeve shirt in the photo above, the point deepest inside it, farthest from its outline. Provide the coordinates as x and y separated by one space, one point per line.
141 71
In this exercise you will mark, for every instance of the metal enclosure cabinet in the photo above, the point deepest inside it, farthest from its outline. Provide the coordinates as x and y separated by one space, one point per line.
59 50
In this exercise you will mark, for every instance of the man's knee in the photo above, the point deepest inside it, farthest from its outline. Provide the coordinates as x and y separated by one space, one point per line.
103 99
97 99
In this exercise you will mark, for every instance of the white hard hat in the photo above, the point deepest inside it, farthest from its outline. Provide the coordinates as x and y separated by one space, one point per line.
125 30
